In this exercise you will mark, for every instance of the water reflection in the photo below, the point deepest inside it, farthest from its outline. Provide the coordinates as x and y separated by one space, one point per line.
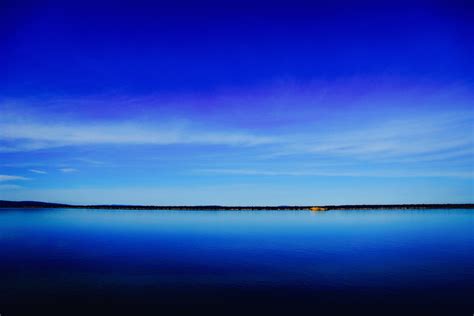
369 254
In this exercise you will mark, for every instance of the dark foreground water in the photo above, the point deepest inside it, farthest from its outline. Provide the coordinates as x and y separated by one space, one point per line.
328 263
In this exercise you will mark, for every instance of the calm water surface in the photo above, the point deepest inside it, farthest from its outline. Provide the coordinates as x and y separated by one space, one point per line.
420 261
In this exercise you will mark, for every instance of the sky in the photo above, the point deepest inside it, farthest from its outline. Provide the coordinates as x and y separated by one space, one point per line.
237 102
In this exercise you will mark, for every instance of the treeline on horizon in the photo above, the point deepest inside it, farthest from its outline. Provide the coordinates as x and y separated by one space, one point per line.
35 204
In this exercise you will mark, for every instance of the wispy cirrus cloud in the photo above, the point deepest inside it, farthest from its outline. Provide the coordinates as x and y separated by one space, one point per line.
37 171
10 187
434 137
34 136
323 173
416 139
375 124
5 178
30 130
68 170
90 161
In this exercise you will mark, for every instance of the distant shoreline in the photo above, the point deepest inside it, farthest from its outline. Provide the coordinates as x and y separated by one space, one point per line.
34 204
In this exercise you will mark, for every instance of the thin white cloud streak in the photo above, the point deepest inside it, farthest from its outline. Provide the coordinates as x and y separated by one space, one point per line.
312 173
34 136
4 178
68 170
37 171
90 161
10 187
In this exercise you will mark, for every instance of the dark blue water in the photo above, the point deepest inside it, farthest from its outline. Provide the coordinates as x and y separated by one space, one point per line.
420 262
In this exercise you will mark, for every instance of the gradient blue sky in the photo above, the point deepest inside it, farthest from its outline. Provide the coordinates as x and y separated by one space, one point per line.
250 103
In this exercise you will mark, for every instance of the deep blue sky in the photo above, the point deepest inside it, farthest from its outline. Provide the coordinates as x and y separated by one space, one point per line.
237 103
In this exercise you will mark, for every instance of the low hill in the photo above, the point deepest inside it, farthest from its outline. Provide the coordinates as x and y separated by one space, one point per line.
27 204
